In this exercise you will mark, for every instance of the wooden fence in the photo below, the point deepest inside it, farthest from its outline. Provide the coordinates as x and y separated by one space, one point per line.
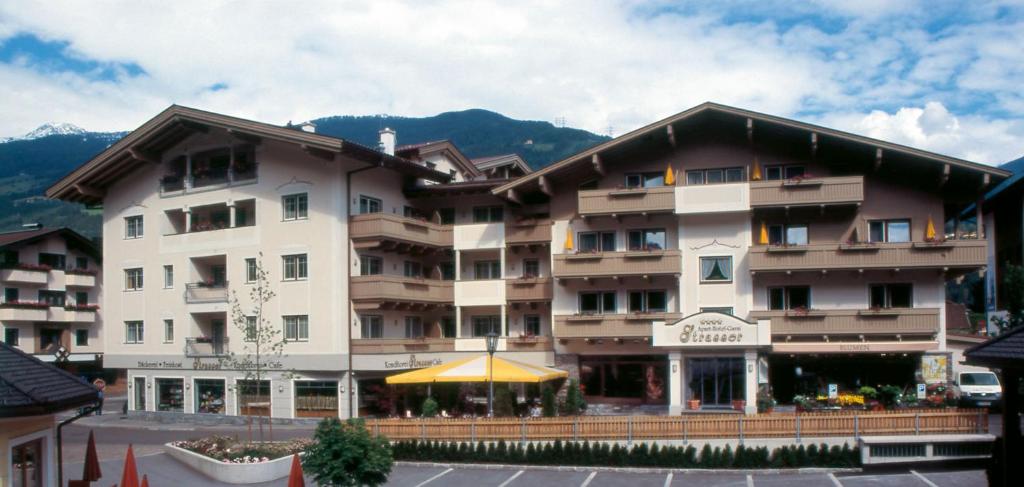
695 426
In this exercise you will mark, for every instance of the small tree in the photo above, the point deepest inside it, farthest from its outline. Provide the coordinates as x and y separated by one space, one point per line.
346 454
547 402
430 408
574 403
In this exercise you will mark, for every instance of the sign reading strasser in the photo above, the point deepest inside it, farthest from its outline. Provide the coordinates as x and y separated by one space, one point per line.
711 330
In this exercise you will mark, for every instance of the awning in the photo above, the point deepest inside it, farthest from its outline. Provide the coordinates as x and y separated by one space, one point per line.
475 369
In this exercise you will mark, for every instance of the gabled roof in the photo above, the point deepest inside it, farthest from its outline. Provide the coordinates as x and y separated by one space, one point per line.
664 127
30 387
476 186
1004 350
424 149
486 163
20 238
144 145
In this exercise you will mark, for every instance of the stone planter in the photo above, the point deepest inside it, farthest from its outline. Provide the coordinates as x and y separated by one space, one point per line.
233 473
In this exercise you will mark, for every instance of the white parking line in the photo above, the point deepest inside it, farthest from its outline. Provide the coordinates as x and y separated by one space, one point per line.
431 479
750 481
923 479
589 478
510 479
668 479
834 479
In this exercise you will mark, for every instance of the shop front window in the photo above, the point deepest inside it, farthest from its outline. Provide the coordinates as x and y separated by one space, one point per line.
316 398
170 395
253 397
209 396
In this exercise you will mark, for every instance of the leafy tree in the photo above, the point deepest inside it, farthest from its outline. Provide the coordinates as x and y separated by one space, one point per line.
430 408
346 454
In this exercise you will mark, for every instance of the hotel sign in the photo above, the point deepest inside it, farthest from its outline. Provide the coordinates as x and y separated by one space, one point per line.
412 363
711 330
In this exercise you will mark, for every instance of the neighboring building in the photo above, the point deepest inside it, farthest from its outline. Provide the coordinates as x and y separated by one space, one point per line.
1004 217
52 288
31 394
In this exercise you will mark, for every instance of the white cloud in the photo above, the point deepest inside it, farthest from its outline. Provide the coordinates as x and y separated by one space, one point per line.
598 64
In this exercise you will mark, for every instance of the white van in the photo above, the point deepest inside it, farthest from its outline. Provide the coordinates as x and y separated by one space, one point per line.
979 389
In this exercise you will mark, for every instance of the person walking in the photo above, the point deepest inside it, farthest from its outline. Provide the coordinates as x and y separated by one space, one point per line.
100 384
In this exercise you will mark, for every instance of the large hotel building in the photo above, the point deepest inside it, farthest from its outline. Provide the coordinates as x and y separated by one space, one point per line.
692 263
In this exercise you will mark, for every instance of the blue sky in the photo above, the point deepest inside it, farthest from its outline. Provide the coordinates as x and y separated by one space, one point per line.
942 76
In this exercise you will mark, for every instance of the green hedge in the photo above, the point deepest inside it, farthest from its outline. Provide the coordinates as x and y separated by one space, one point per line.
640 455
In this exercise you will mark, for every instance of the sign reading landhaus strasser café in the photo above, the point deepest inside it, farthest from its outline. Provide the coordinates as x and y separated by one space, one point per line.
710 330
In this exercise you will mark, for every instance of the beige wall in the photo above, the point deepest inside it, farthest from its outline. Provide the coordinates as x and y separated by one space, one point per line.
14 431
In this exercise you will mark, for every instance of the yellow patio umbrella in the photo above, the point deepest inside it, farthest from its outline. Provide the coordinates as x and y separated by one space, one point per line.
929 231
756 173
475 369
568 239
670 176
763 239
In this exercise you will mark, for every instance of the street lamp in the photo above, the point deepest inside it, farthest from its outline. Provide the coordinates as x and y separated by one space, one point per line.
492 346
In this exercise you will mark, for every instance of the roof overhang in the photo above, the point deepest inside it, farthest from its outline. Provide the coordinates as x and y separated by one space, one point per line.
445 147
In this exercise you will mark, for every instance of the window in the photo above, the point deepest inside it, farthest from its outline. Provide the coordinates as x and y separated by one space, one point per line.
251 330
133 227
447 271
447 216
645 180
891 296
488 214
168 276
369 205
10 295
531 325
81 298
596 241
81 338
81 263
597 303
484 325
8 258
789 297
11 336
251 271
651 239
133 332
413 269
370 265
53 261
447 327
168 331
372 326
648 301
789 234
718 309
716 269
52 298
296 328
778 172
296 206
487 269
531 268
889 230
413 327
295 267
715 176
133 279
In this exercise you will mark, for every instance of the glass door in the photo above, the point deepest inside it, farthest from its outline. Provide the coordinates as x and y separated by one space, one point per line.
140 393
716 381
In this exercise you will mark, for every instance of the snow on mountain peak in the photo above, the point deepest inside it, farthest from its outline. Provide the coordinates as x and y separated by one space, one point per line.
47 129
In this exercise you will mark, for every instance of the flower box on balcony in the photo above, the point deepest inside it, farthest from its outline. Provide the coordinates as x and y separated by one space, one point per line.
804 313
787 248
585 317
933 244
802 181
82 307
879 312
856 246
28 267
80 272
584 255
24 305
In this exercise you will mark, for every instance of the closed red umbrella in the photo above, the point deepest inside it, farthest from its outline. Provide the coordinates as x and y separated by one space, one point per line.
145 481
295 476
92 472
130 476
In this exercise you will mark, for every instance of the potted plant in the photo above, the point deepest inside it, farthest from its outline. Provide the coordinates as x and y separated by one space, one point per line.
739 404
765 402
693 404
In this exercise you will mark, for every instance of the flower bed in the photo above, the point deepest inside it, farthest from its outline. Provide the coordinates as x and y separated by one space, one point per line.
229 450
226 460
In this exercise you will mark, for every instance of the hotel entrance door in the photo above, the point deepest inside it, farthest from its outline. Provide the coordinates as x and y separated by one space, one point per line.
716 381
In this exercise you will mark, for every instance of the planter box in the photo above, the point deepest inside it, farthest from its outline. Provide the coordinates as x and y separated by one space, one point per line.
233 473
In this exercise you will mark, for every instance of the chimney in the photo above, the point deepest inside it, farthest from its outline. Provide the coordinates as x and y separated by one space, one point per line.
388 138
308 127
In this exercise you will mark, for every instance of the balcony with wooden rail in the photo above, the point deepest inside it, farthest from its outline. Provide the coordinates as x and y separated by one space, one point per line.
528 289
618 264
613 202
387 291
401 234
609 325
840 190
528 232
867 322
948 254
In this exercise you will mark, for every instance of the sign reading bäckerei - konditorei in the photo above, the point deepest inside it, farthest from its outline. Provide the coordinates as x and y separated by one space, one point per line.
712 330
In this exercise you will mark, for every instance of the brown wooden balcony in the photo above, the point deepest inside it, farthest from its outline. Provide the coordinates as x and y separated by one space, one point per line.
949 254
528 232
596 202
618 264
529 289
610 325
843 190
530 344
402 345
888 321
393 232
381 291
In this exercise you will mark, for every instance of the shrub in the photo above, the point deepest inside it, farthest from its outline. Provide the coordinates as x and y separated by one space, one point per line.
346 454
574 403
727 458
430 408
889 395
705 457
868 392
548 406
504 402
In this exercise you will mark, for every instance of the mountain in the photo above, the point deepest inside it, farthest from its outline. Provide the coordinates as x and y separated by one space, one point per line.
29 164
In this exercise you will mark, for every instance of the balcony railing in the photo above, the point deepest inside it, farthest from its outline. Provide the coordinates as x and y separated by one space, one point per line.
950 253
530 343
807 191
528 232
887 321
609 325
370 292
529 289
595 202
616 264
206 347
176 184
402 345
199 293
25 274
374 229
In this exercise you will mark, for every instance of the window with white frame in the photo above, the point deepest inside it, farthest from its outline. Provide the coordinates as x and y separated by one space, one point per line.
715 176
296 328
779 172
368 204
487 269
484 325
788 234
716 269
789 297
645 180
133 279
599 302
531 268
488 214
370 265
413 327
894 295
133 332
648 301
168 331
251 329
168 276
295 267
251 270
295 206
133 226
889 230
413 269
372 326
